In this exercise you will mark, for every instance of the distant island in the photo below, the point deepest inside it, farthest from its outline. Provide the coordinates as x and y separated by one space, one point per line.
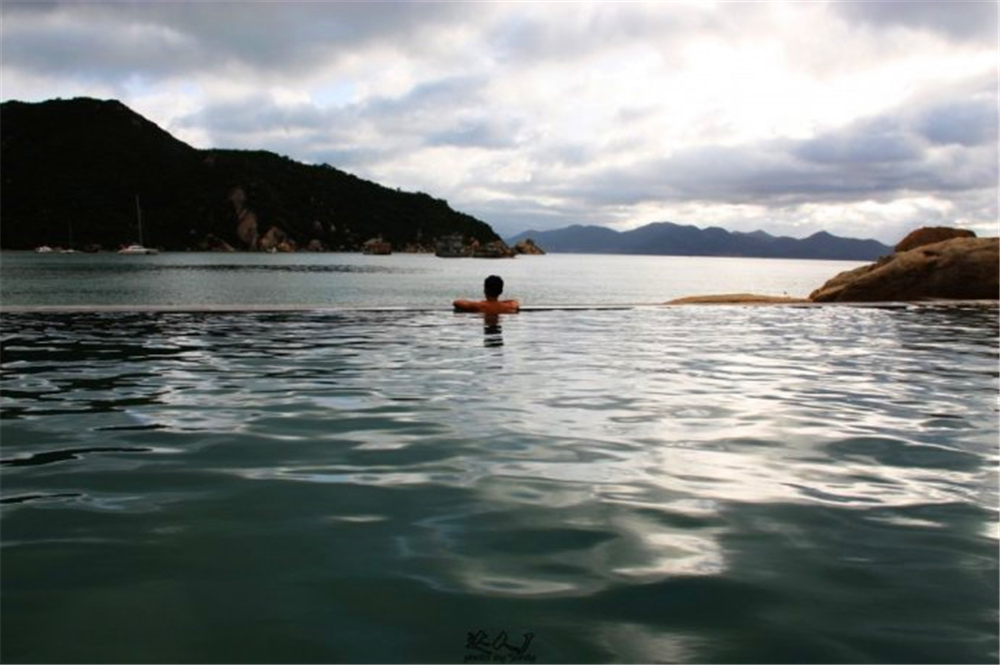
666 238
74 170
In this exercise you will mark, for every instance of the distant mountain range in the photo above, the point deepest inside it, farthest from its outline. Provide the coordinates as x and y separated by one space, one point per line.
666 238
72 171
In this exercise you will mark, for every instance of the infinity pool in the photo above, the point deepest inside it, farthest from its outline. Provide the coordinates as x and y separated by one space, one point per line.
706 484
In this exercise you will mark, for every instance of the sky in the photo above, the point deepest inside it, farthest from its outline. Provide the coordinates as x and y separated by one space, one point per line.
865 119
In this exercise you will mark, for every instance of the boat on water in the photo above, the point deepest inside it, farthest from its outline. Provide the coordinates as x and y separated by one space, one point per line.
45 249
138 248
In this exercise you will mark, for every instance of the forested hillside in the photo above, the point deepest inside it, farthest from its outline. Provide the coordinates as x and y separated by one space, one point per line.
72 171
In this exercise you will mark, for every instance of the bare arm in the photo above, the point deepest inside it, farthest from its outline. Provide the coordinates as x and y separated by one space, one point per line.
487 306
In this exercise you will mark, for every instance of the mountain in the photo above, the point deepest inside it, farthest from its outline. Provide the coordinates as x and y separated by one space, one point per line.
573 239
666 238
73 169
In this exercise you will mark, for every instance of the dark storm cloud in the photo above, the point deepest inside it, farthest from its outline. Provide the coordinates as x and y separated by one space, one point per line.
962 122
89 42
944 144
722 174
772 173
957 19
155 39
869 142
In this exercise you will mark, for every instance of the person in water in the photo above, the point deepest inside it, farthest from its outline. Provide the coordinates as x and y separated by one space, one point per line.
492 288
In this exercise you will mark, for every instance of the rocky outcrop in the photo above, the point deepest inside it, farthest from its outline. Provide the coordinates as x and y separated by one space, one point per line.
213 243
930 235
275 240
528 246
246 228
497 249
934 263
962 268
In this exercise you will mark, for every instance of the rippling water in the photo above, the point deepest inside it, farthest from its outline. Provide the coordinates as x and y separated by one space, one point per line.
722 484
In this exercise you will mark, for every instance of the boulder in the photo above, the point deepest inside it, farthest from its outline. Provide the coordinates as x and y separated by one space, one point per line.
275 240
246 228
930 235
961 268
213 243
528 246
496 249
246 220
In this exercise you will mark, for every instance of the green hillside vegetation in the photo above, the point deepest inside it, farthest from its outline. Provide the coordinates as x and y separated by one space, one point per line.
72 169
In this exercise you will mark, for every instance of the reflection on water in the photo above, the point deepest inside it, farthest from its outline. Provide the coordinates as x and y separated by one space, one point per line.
693 485
492 332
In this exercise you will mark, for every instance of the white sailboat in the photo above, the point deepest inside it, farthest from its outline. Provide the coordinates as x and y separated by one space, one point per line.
46 249
138 248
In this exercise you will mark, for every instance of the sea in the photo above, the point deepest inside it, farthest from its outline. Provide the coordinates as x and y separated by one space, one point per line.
309 458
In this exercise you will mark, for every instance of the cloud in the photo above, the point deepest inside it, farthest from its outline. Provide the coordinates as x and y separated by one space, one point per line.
584 30
92 43
962 20
873 143
936 150
478 131
938 157
790 115
445 112
966 122
157 39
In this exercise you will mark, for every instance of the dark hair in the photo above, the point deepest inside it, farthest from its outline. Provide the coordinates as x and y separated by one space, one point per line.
493 286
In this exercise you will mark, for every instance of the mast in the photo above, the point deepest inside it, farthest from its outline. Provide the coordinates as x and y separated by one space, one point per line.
138 216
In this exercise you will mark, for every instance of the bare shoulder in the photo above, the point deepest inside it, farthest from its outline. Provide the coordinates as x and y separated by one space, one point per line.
509 306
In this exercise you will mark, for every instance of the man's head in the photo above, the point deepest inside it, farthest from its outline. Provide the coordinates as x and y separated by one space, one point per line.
493 286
